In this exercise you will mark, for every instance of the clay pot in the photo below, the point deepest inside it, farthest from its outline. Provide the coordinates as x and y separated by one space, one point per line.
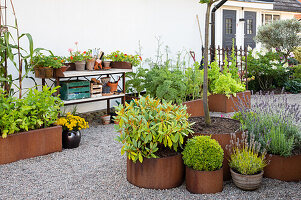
71 139
80 65
113 86
106 119
195 108
64 68
156 173
90 64
121 65
221 103
247 182
107 65
204 182
284 169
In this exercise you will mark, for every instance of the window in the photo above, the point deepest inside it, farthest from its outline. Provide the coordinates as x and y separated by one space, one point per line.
267 18
228 26
249 26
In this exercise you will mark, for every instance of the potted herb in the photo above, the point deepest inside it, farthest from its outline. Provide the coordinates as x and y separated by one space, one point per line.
203 158
246 161
72 125
44 65
152 132
123 61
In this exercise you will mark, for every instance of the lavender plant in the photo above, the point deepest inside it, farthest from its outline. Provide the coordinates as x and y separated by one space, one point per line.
273 121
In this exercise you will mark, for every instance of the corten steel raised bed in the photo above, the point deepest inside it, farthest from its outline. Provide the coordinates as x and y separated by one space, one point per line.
204 182
121 65
284 169
156 173
223 140
195 108
30 144
221 103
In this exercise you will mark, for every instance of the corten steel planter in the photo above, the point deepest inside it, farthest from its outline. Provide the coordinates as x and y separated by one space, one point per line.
221 103
284 169
224 140
247 182
156 173
43 72
121 65
204 182
30 144
195 108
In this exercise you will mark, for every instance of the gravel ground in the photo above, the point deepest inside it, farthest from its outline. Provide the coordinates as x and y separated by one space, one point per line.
96 170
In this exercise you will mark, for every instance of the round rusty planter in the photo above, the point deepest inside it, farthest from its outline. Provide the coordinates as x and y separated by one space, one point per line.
204 182
195 108
247 182
223 140
284 169
156 173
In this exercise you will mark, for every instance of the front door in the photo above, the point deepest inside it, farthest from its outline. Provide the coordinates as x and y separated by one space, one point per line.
250 29
229 27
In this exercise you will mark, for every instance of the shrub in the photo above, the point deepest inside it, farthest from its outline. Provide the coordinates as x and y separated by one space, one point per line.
203 154
293 86
297 53
245 157
147 124
297 72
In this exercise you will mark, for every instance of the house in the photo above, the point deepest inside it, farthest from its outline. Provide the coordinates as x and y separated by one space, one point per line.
240 19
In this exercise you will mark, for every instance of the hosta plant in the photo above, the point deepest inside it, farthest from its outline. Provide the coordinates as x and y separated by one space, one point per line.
147 124
203 154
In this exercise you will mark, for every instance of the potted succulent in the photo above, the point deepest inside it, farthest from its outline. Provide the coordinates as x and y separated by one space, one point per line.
72 125
203 158
246 161
152 132
44 65
123 61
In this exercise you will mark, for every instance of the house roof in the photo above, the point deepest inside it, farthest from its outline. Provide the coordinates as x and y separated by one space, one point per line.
288 5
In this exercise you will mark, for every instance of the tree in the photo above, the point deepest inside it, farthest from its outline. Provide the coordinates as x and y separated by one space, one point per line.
281 35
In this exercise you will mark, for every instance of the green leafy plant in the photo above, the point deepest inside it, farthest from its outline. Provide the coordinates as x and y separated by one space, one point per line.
297 72
118 56
136 81
203 154
193 79
297 54
147 126
245 155
293 86
51 61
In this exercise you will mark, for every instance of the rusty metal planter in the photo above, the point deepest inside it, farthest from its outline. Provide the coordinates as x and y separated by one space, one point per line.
195 108
204 182
121 65
156 173
284 169
30 144
221 103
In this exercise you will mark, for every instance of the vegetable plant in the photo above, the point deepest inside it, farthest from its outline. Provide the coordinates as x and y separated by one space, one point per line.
203 154
118 56
148 125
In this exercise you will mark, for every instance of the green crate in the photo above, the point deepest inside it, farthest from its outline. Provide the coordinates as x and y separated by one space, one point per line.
71 90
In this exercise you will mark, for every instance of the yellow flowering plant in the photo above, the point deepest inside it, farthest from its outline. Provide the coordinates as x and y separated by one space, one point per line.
72 123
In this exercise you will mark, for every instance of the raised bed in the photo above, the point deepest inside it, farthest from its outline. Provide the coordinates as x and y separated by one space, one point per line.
195 108
221 103
284 169
30 144
157 173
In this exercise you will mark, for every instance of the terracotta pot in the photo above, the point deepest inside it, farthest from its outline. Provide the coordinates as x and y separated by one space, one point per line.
107 64
156 173
106 119
204 182
247 182
90 64
113 86
221 103
284 169
223 140
80 65
195 108
64 68
43 72
121 65
60 72
30 144
71 139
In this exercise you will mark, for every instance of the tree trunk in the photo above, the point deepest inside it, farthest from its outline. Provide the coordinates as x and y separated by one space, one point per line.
206 57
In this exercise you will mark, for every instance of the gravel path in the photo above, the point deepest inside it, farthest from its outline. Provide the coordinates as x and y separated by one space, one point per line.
96 170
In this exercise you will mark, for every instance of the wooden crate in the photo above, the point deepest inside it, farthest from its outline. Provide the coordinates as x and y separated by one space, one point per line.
71 90
96 90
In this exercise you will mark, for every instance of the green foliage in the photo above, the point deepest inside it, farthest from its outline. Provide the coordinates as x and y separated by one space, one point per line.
293 86
51 61
122 57
39 109
245 156
203 154
146 124
297 53
297 72
136 81
281 34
